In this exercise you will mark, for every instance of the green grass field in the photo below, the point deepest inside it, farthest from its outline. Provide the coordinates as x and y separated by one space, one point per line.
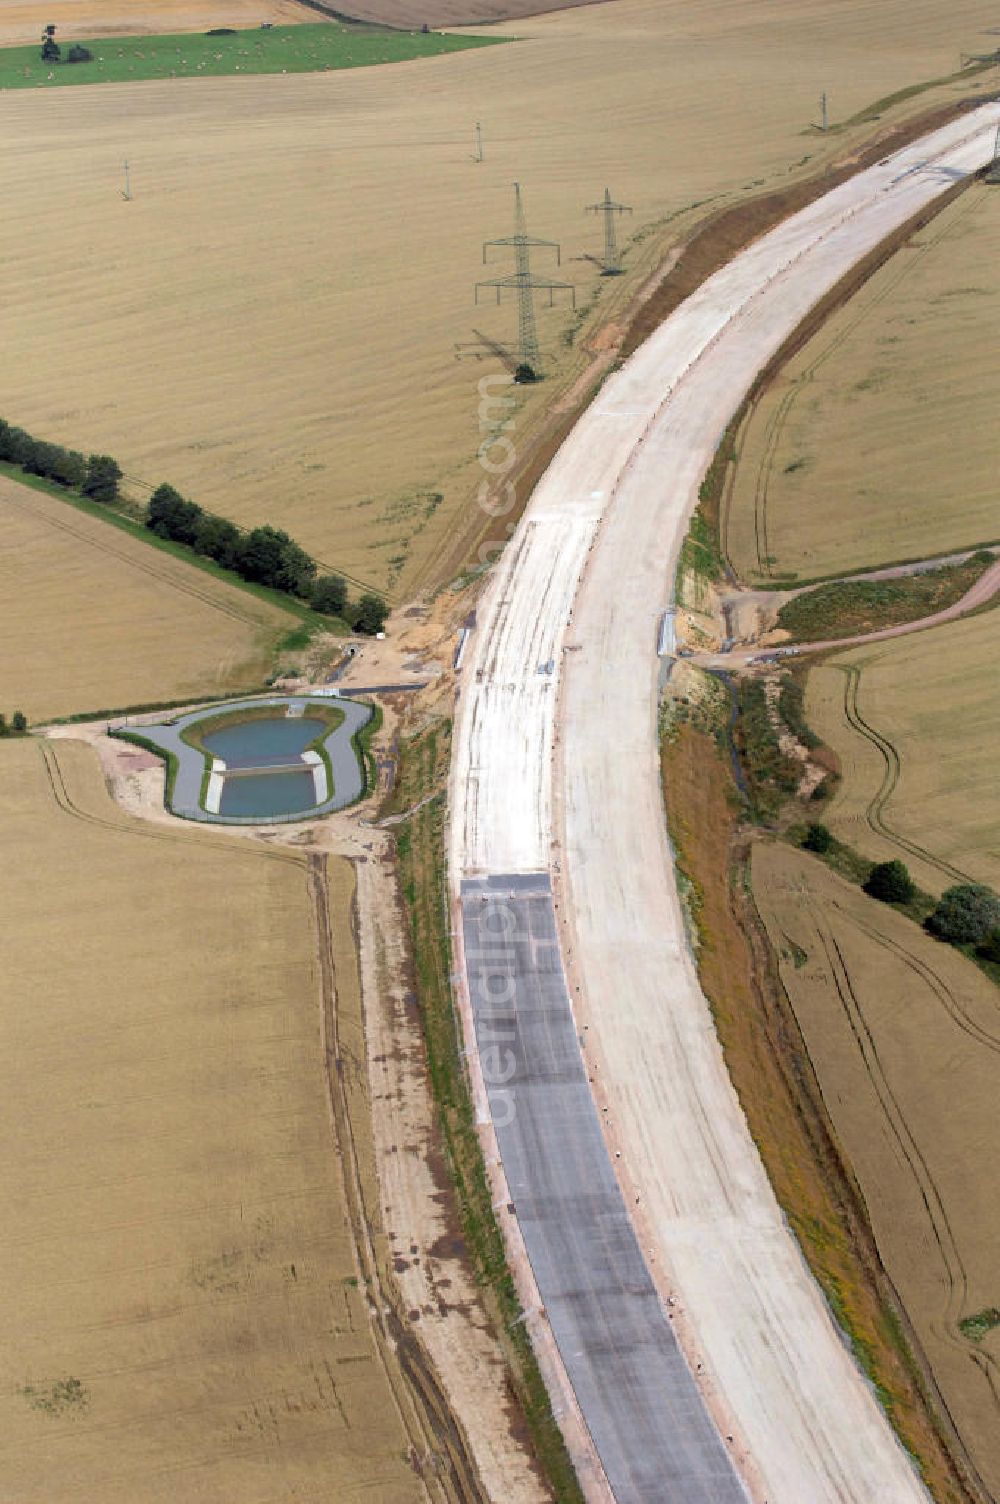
282 49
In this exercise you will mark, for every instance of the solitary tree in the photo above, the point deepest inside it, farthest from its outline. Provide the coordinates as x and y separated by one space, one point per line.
18 723
50 47
370 614
79 54
101 480
890 882
965 914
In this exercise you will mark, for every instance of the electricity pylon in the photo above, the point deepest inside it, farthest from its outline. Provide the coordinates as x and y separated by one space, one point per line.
524 283
611 266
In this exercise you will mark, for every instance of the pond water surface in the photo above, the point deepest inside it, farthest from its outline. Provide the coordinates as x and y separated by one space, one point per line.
281 736
267 794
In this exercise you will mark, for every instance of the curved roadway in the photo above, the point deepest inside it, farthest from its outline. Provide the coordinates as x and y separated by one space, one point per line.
555 774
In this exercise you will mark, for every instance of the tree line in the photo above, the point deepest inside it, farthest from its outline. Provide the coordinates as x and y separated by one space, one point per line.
260 555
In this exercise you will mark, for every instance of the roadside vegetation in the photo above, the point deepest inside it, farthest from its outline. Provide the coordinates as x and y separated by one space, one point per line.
223 51
848 608
261 556
420 788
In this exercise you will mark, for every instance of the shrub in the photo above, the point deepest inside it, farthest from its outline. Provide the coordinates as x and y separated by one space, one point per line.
267 556
14 443
52 461
890 882
370 614
817 838
19 723
329 595
170 516
102 477
79 54
965 914
990 947
217 539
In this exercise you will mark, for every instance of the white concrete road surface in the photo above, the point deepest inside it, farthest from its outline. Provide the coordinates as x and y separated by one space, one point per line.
555 771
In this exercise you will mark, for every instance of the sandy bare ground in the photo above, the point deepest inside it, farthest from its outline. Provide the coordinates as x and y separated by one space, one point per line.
573 612
20 23
978 595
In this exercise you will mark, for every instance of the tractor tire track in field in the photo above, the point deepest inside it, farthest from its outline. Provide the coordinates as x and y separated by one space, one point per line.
952 1263
875 812
955 1272
776 424
959 1016
439 1452
167 577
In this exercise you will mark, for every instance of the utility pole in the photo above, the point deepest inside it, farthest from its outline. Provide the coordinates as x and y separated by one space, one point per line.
127 195
611 266
479 143
824 117
524 283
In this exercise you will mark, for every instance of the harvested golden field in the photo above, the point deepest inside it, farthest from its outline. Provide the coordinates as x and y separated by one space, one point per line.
414 13
878 441
903 1034
183 1316
272 323
94 619
915 722
20 22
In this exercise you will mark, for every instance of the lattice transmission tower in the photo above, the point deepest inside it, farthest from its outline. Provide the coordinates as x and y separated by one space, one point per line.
525 284
611 266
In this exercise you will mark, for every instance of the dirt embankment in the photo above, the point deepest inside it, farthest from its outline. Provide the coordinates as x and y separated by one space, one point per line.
780 1095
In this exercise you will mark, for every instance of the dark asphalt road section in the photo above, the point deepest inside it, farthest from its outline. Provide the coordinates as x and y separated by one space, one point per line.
656 1440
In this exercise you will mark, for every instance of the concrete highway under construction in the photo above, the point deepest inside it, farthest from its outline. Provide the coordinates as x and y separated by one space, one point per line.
690 1356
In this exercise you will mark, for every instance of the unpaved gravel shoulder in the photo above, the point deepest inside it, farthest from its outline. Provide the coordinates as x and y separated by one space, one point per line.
428 1254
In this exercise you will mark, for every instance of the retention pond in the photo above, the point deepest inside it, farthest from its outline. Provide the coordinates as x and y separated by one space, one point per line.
278 759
